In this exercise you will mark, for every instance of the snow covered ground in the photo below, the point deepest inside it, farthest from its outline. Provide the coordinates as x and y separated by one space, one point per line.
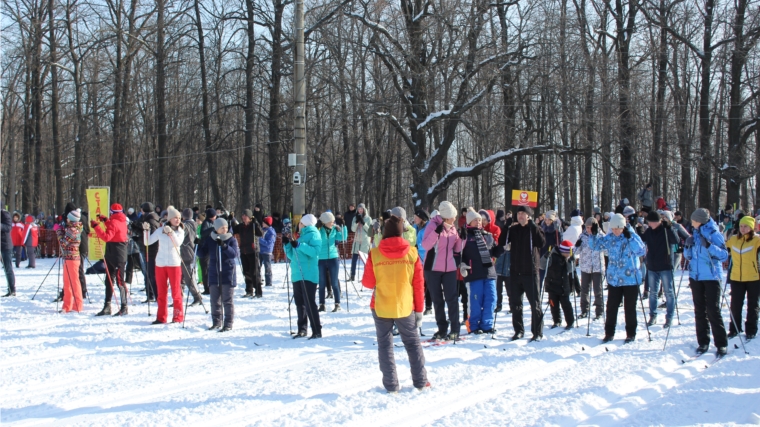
78 369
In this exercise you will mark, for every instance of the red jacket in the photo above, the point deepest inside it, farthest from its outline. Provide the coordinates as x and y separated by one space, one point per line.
17 233
116 229
31 230
395 248
492 228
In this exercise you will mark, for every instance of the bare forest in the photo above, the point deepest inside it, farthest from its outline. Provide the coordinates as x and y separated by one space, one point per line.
409 102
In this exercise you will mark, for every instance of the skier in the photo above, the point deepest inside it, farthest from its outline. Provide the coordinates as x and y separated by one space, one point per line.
331 235
31 240
560 278
575 229
592 269
6 244
69 238
303 254
479 275
266 248
624 247
360 226
553 235
206 228
659 239
248 231
17 237
168 264
502 266
187 251
394 272
221 249
744 277
151 218
115 236
442 244
421 219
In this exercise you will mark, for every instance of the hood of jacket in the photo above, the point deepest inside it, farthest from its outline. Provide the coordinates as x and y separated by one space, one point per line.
576 220
394 247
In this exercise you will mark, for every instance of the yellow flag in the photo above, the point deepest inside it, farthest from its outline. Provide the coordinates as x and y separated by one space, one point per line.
97 202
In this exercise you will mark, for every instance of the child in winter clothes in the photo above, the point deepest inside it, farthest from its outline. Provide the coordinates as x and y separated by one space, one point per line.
266 248
624 247
304 273
168 264
70 238
706 251
221 249
479 275
331 235
17 237
592 269
394 272
560 280
744 276
31 240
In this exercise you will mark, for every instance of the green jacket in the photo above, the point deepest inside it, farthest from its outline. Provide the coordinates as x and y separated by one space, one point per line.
305 258
329 250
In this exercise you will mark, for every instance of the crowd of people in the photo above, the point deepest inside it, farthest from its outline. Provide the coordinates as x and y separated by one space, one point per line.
440 260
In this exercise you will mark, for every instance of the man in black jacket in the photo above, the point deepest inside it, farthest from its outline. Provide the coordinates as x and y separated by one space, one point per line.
525 240
660 238
207 227
152 219
348 217
249 230
7 251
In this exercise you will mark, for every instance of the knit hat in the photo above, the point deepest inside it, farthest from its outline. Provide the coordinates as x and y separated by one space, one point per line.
187 214
566 247
597 210
525 209
472 215
617 221
248 213
116 208
147 207
748 221
653 217
551 215
327 217
701 216
131 210
75 215
308 220
171 212
666 215
628 211
399 212
576 212
435 213
219 223
421 214
624 201
485 215
591 221
361 205
210 213
268 220
394 227
447 210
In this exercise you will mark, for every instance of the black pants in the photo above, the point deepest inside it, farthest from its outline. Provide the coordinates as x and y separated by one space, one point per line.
629 295
204 274
428 298
465 298
305 297
528 285
8 267
738 290
501 283
82 277
251 272
555 301
133 260
115 280
706 295
443 289
221 296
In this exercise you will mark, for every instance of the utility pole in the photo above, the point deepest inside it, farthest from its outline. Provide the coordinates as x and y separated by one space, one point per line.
299 176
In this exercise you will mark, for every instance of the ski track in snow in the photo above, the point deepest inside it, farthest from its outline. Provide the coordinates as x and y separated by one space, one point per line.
78 369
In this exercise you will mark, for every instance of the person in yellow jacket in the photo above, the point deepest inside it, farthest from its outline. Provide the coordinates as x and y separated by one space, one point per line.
394 272
745 278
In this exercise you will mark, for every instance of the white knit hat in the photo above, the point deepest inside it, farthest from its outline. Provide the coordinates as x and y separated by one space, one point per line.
308 220
472 215
171 212
617 221
327 217
551 215
447 210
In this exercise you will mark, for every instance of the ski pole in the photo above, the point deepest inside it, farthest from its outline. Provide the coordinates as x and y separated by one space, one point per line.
678 291
46 276
149 285
731 314
184 314
58 287
641 299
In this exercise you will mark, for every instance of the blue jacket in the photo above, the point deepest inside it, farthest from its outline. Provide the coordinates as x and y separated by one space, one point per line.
706 263
420 235
266 242
624 254
305 258
328 249
229 251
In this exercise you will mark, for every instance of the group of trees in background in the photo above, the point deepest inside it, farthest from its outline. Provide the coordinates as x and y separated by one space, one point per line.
409 102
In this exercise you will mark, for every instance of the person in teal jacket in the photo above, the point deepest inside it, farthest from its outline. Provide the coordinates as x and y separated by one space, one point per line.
706 251
303 254
332 235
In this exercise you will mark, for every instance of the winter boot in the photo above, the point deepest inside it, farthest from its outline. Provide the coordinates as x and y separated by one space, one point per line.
321 307
732 334
629 339
9 294
652 320
666 324
329 294
607 338
722 351
424 388
123 311
353 278
498 308
453 336
427 311
439 336
226 329
517 336
337 308
703 348
215 326
196 301
583 315
106 311
59 298
315 336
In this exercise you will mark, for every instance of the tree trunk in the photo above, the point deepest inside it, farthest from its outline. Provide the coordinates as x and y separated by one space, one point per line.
704 168
58 167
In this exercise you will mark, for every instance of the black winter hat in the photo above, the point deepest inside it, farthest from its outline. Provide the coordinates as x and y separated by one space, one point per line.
653 216
147 207
525 209
210 213
422 215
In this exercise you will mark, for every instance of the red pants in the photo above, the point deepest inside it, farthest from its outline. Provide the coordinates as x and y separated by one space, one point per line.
174 276
72 289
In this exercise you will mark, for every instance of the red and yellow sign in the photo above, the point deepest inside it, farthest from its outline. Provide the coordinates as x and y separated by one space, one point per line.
98 202
524 198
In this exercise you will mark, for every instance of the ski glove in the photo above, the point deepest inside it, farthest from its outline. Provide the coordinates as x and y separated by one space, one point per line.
689 242
463 233
594 229
285 239
626 233
337 242
102 218
578 243
168 230
93 224
145 226
463 269
418 319
439 229
294 243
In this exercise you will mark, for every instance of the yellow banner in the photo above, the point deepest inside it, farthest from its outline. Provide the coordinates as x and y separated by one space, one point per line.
524 198
98 203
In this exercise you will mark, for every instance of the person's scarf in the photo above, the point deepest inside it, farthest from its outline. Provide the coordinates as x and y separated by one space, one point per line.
485 254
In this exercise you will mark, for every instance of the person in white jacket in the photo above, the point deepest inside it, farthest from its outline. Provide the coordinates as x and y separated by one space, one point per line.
168 264
574 231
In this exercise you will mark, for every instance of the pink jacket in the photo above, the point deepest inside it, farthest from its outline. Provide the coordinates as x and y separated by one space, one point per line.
441 248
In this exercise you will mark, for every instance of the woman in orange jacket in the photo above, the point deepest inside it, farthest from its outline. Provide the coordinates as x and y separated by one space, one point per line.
394 271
